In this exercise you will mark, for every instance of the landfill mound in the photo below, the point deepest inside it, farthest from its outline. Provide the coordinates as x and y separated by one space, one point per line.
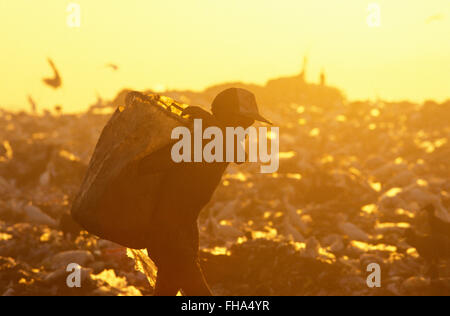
353 177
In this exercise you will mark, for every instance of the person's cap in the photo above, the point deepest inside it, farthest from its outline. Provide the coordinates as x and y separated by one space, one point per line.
240 101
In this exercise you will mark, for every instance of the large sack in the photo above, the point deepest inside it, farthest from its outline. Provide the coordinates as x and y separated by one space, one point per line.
115 201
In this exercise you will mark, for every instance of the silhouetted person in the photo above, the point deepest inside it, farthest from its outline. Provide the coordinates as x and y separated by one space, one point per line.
58 109
56 81
188 187
322 78
303 71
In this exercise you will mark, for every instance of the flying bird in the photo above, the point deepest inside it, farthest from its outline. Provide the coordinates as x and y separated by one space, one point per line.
434 18
32 104
56 81
112 66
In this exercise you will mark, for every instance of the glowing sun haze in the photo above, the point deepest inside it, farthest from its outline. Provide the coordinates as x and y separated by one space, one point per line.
190 44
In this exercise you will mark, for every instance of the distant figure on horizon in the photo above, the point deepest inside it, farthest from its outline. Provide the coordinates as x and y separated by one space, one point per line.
303 72
58 109
56 81
322 78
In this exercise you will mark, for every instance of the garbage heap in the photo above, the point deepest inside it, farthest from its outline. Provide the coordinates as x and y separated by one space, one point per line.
353 178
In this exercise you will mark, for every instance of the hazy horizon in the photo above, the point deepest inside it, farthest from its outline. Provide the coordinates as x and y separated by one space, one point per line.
192 45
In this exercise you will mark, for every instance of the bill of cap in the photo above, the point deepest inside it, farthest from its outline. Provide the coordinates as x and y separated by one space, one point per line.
257 117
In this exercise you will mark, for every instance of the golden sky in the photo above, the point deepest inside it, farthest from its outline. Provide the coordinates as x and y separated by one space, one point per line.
195 43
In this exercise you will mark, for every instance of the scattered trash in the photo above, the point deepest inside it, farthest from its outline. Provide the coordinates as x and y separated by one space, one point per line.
347 195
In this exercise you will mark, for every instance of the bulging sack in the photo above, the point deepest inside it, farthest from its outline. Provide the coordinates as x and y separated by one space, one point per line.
116 201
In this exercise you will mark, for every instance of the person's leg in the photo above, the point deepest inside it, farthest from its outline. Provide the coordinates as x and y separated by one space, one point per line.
174 249
179 269
184 274
166 282
194 283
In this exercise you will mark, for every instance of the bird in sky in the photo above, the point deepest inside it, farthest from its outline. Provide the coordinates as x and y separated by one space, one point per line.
56 81
112 66
434 18
32 104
